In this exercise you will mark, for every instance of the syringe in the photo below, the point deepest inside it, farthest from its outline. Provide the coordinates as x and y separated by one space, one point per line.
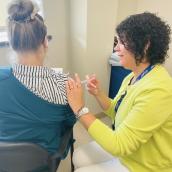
84 82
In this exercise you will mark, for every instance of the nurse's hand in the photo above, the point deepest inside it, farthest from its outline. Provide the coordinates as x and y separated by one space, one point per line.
93 85
75 93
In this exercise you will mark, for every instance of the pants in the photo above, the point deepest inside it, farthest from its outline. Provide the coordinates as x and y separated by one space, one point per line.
92 158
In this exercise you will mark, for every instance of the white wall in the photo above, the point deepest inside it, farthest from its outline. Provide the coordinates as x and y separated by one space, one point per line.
3 12
91 38
3 51
78 36
163 9
101 20
4 57
57 19
125 8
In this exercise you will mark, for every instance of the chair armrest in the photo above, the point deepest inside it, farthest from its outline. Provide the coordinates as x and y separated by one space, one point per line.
64 143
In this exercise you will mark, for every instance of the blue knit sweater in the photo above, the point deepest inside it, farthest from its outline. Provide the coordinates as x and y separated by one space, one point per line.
26 117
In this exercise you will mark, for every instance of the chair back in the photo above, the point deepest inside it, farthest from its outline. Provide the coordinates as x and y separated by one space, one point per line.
30 157
23 157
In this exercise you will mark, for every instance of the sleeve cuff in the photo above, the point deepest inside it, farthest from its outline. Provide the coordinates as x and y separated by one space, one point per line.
110 111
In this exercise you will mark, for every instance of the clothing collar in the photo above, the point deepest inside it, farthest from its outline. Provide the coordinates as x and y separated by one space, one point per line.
32 71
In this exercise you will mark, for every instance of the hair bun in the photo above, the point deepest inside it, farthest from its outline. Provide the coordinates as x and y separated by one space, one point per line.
20 10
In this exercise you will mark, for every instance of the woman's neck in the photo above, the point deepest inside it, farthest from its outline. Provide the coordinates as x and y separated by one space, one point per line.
31 58
138 69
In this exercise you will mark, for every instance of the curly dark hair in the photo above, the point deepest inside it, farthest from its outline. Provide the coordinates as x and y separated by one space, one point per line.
145 29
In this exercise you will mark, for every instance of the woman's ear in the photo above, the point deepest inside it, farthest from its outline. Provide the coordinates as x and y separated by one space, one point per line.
146 47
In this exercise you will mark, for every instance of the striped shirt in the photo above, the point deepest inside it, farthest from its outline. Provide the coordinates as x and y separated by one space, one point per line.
43 82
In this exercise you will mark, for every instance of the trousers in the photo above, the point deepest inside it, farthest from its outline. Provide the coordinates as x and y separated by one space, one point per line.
92 158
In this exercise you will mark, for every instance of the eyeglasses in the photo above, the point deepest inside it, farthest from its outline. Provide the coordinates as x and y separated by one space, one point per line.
49 37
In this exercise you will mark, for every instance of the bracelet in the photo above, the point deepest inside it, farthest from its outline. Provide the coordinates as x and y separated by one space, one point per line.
78 116
77 113
82 111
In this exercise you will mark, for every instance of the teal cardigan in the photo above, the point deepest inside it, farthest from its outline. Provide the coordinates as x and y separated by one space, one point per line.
25 117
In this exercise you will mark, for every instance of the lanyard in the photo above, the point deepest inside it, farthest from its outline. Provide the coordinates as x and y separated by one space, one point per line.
147 70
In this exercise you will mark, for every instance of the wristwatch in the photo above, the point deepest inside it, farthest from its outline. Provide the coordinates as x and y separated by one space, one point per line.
84 110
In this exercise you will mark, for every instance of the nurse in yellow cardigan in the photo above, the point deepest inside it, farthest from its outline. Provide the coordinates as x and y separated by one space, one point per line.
142 110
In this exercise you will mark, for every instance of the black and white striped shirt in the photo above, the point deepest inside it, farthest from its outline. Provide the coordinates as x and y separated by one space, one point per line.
43 81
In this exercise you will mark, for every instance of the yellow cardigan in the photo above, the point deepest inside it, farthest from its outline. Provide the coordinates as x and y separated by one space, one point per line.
143 136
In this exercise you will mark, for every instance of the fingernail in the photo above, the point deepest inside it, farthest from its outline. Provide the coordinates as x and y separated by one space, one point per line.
86 76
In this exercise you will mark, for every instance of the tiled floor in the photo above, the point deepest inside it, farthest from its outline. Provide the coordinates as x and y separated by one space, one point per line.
82 137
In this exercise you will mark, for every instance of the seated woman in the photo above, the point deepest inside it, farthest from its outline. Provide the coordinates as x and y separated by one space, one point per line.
141 110
33 101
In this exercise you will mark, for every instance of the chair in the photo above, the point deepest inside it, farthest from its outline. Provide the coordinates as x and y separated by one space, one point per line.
29 157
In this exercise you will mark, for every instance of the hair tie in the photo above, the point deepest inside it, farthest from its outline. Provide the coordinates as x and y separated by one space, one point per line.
27 19
34 13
